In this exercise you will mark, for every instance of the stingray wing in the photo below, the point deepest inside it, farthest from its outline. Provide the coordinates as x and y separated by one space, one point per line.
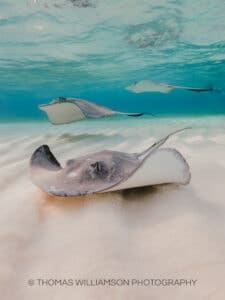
164 166
63 112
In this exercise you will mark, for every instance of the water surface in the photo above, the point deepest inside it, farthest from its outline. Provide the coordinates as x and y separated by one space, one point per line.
94 48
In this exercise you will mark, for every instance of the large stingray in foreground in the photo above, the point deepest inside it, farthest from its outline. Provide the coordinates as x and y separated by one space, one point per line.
67 110
108 170
145 86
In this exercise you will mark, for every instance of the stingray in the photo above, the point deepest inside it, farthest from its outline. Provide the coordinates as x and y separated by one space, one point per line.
66 110
144 86
108 170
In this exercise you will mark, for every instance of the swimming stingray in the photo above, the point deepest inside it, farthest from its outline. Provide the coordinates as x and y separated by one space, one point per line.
67 110
144 86
108 170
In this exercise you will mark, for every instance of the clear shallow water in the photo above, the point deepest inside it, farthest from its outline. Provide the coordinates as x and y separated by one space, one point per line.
125 128
93 49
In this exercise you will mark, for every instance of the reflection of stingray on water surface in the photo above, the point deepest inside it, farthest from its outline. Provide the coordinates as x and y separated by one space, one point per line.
64 3
163 29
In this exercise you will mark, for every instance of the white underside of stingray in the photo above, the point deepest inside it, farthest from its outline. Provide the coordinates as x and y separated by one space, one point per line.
67 110
166 165
146 86
108 170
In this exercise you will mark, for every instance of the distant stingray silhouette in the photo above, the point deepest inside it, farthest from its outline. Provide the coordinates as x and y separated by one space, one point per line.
145 86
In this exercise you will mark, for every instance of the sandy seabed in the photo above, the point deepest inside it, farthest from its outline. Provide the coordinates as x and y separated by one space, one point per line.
164 232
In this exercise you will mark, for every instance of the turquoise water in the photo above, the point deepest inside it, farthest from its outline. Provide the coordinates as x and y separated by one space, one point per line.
93 49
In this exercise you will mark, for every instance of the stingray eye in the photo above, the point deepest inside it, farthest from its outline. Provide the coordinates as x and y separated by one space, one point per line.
98 170
135 82
97 166
61 99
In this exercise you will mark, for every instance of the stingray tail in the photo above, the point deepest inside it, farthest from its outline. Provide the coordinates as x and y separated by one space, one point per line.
135 114
129 114
192 89
143 155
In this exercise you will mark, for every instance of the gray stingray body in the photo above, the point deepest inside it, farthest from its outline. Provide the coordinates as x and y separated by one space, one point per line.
89 109
146 86
92 173
66 110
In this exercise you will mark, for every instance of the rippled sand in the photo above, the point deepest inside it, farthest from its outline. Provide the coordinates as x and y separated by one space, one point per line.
156 232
